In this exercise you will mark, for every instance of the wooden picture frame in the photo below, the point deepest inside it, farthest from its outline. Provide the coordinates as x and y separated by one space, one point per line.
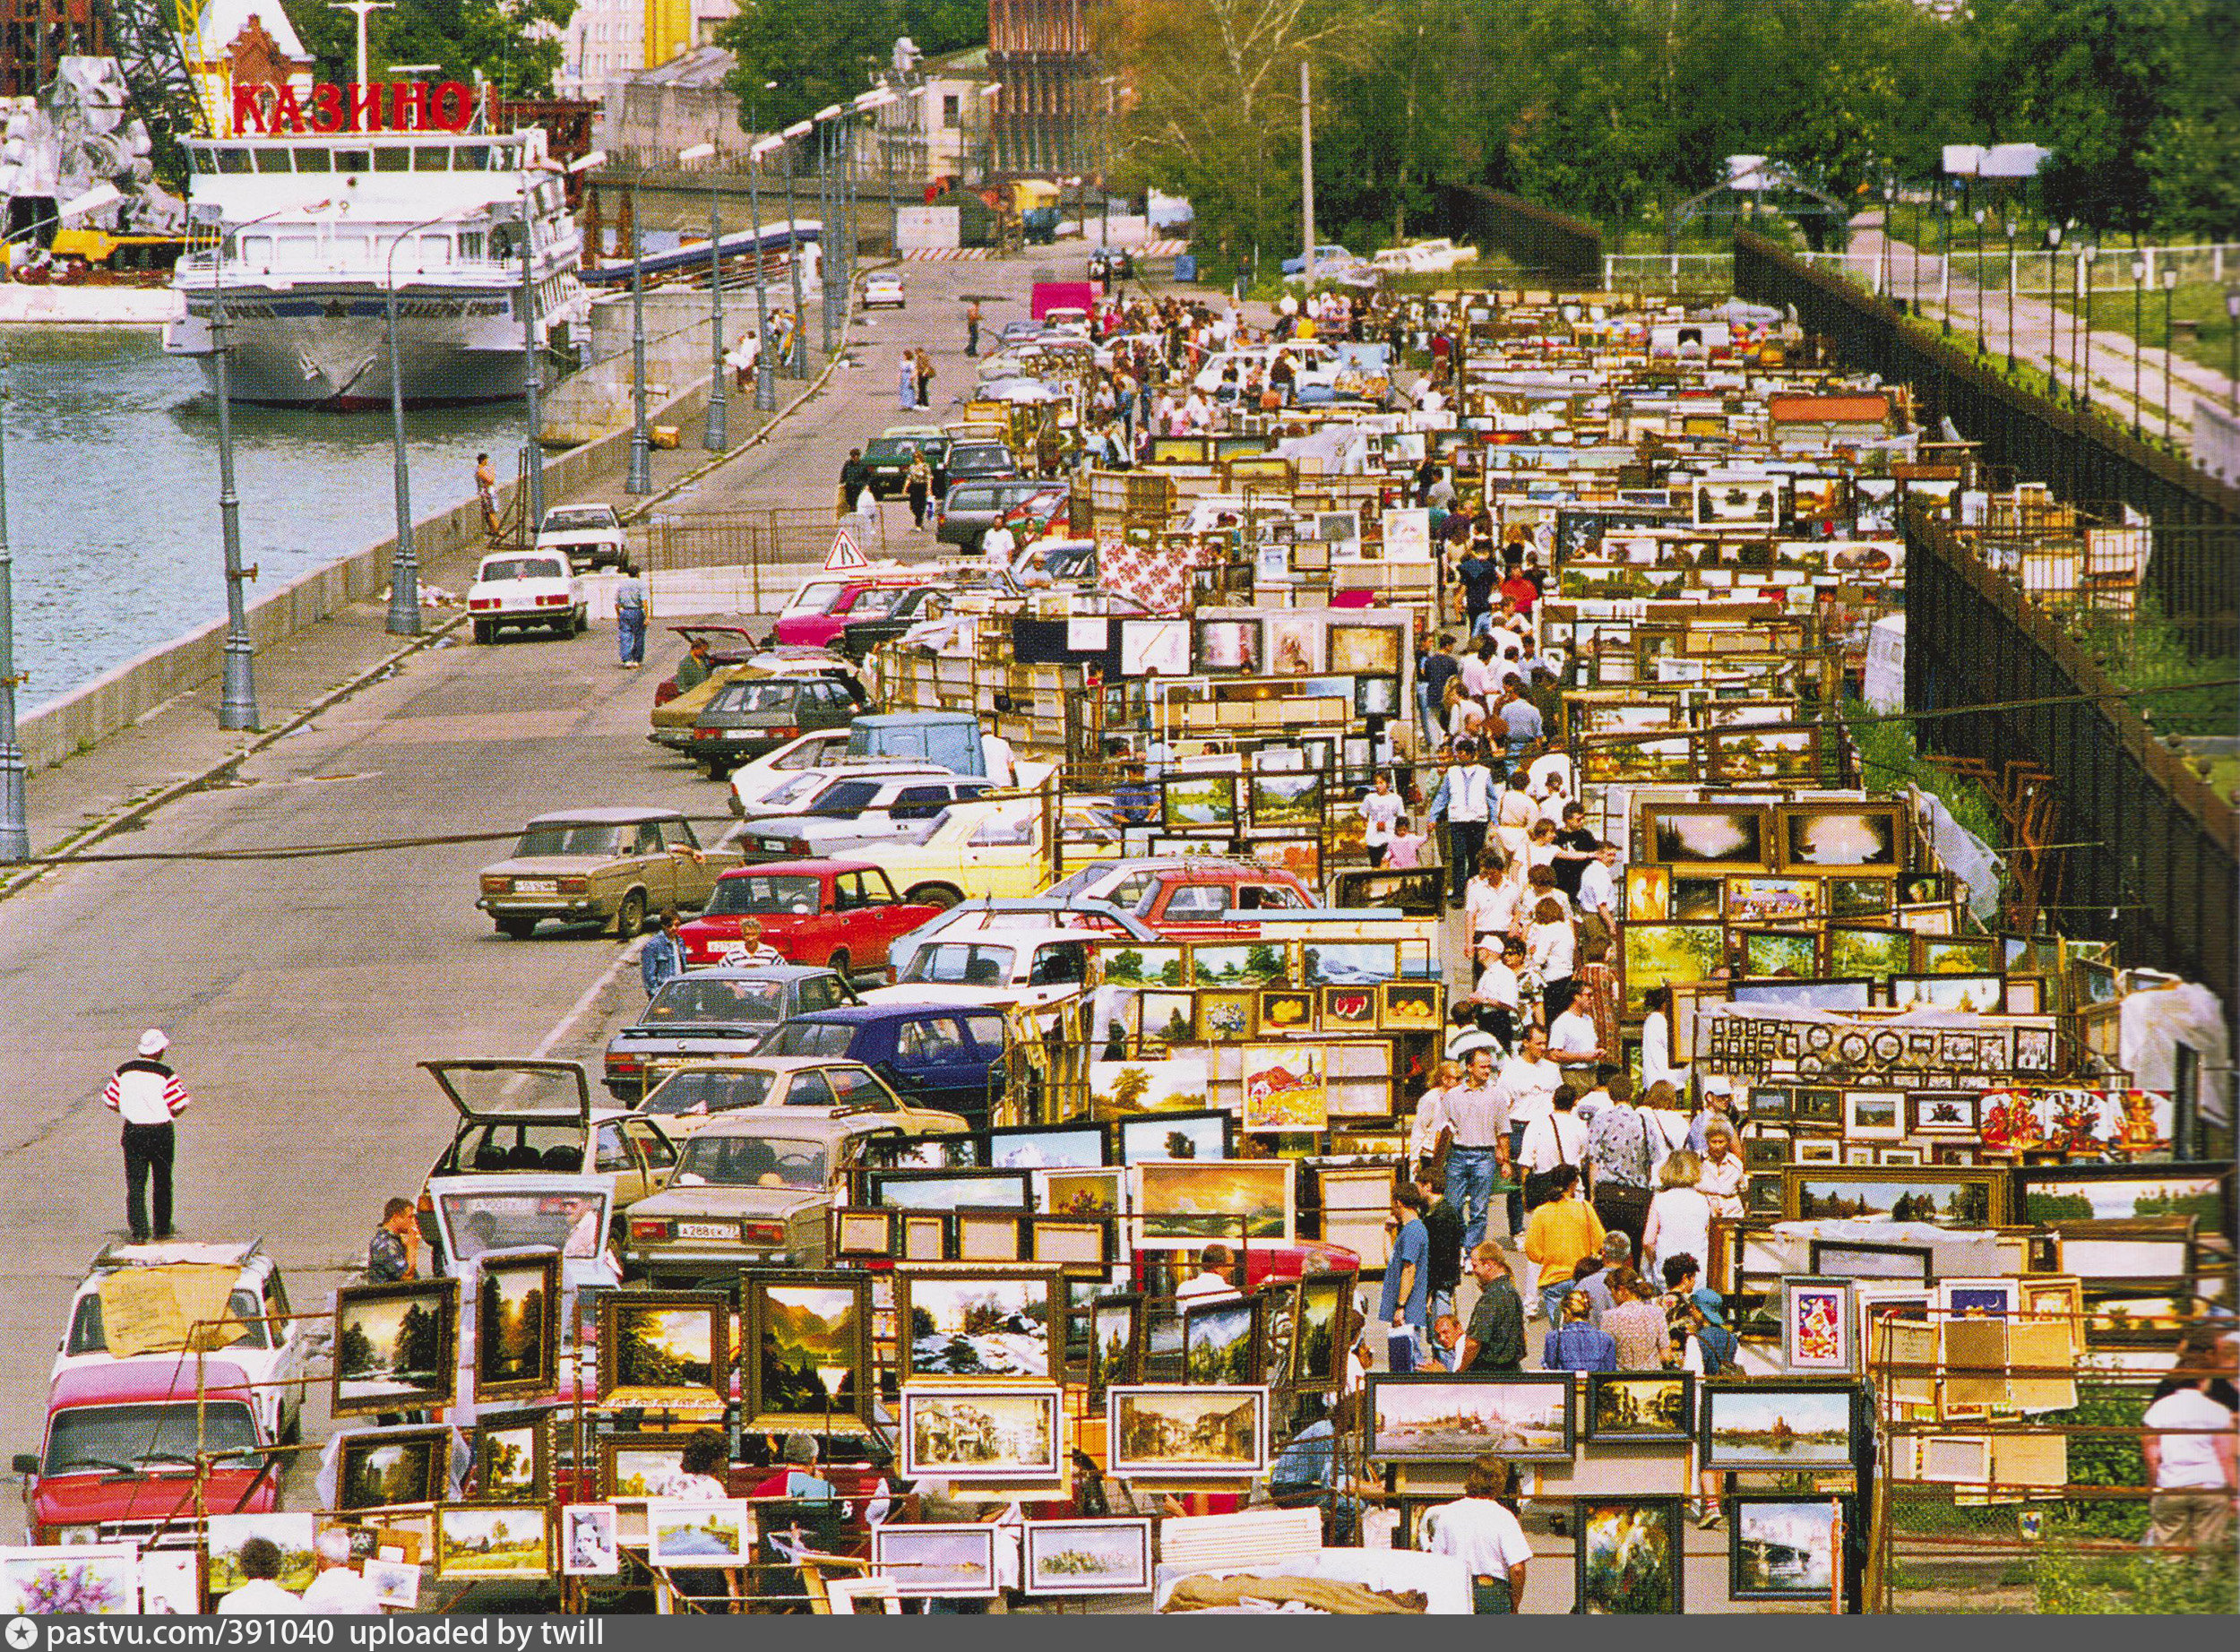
665 1335
1324 1330
864 1234
1115 1342
988 1238
1785 1423
806 1356
412 1321
517 1327
388 1467
980 1431
1803 1531
1441 1418
1081 1246
953 1301
1177 1431
1651 1407
1224 1341
1185 1204
485 1542
1810 1191
1820 1332
1710 840
1628 1554
1847 839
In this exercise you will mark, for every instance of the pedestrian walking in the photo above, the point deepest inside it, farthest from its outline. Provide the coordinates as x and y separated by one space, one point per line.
924 372
664 955
148 1096
853 475
918 487
906 381
630 606
391 1253
486 491
972 328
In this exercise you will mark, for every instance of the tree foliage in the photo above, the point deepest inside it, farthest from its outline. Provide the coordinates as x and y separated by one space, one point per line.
821 52
513 44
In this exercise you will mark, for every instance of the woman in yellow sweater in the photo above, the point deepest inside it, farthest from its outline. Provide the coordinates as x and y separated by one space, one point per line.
1561 1231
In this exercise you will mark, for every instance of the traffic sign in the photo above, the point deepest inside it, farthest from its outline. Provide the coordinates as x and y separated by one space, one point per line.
844 554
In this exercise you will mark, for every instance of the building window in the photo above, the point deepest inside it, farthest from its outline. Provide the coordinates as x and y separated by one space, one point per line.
951 104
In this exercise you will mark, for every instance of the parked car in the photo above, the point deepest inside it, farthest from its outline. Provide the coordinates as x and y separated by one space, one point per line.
859 636
520 591
591 536
706 1014
753 1188
936 1056
1326 254
887 458
673 718
690 1097
609 866
883 289
857 809
756 716
755 784
271 1348
1313 365
819 612
1046 513
806 791
728 646
950 740
989 849
534 1117
1214 894
841 914
980 462
123 1441
1020 964
969 509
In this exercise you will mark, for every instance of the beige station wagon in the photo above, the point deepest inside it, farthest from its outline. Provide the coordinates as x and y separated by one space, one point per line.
609 866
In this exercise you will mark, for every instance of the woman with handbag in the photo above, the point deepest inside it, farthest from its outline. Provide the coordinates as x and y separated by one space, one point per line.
1623 1151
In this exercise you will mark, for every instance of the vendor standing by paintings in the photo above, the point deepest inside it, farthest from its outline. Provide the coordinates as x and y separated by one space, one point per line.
1480 1529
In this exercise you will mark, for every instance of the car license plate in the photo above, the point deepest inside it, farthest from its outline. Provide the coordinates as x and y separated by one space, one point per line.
707 1230
534 886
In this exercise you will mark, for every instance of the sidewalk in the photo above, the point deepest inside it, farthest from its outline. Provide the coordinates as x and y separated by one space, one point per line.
2112 359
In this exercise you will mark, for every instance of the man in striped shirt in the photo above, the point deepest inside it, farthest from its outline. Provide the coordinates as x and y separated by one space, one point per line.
148 1096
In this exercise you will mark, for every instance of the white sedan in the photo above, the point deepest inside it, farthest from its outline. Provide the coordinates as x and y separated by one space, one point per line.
883 292
525 587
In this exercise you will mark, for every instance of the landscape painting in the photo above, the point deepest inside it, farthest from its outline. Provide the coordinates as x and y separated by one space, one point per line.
1659 954
1175 1085
1255 963
1646 1406
806 1349
476 1541
1222 1341
293 1534
1187 1432
1325 1332
1286 1086
982 1434
993 1324
517 1328
634 1464
1747 1426
950 1562
1457 1419
1958 1201
1195 1136
1087 1557
394 1345
1184 1205
1198 800
1628 1554
1783 1548
1115 1336
1143 966
685 1534
1690 835
512 1456
373 1471
664 1350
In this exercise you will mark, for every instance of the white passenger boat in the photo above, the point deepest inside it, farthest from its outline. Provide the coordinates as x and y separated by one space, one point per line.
299 236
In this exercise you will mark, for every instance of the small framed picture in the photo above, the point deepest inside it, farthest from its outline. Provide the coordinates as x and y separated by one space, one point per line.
591 1541
1819 1326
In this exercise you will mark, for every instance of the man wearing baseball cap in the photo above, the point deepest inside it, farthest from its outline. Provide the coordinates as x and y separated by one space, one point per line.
148 1096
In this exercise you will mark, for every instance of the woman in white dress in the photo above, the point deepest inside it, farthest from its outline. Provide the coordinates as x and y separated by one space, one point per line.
1379 818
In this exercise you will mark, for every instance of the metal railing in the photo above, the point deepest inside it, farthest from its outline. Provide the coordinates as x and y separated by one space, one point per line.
1668 272
1548 247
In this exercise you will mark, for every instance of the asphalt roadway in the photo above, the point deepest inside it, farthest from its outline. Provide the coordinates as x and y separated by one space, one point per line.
301 994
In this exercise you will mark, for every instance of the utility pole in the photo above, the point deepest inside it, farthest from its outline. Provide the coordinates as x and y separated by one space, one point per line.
15 837
1306 165
362 8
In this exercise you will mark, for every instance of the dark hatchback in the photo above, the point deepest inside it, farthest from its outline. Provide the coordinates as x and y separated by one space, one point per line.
748 718
887 463
943 1056
980 462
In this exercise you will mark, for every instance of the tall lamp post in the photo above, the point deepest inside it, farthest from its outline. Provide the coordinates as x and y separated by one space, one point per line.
715 437
404 567
236 703
765 392
640 479
2083 332
1944 264
2137 343
869 103
799 350
832 269
2232 337
1981 347
2169 296
2010 227
2053 309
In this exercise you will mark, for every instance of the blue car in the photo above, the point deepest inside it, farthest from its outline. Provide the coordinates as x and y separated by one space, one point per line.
934 1055
1325 257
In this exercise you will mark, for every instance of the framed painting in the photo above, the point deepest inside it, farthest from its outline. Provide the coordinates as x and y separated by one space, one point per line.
1975 994
1286 1086
1081 1194
513 1455
1650 1407
665 1350
1285 1009
1772 900
1819 1326
1714 838
1628 1555
922 1235
993 1322
517 1327
2072 1193
1775 952
949 1190
1873 954
1946 1197
395 1346
1662 954
950 1563
1115 1331
1198 802
1763 1424
1349 963
1440 1418
1150 1136
1840 836
805 1354
977 1433
1856 1259
1874 1115
1238 963
1785 1548
488 1541
1087 1557
1143 965
634 1464
1324 1330
1184 1205
1365 651
1348 1008
987 1236
1941 1112
1648 894
1222 1017
1858 895
1079 1144
591 1541
1081 1246
1229 645
1287 800
863 1233
1222 1341
1409 1006
1182 1431
392 1466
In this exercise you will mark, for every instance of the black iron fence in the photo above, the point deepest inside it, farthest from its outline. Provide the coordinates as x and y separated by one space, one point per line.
2150 854
2080 455
1549 248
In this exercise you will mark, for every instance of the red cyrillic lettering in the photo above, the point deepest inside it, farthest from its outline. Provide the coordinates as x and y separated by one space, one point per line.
408 106
365 108
326 107
287 115
249 109
454 106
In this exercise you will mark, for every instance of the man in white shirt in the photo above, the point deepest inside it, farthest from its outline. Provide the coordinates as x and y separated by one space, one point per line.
1485 1537
1212 1277
147 1095
1599 889
2188 1445
338 1588
998 545
1557 1138
261 1596
1526 1085
1574 1043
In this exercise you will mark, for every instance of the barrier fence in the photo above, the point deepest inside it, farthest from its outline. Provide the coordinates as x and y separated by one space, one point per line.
1554 248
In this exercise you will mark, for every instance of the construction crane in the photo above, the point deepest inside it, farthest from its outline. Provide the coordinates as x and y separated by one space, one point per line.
149 39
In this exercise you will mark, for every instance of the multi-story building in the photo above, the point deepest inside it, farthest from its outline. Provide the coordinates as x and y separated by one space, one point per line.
35 33
606 40
1046 120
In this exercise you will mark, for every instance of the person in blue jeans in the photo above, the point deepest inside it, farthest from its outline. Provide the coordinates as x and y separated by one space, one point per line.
630 603
1480 1118
1408 1273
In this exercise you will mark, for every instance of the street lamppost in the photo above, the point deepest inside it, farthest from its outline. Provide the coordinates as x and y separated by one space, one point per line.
2053 310
2081 333
237 702
1981 345
799 350
2137 342
868 104
2232 337
2169 295
640 478
1944 209
404 567
831 272
765 392
715 436
2010 226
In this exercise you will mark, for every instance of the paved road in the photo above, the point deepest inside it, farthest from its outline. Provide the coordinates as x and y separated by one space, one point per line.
301 994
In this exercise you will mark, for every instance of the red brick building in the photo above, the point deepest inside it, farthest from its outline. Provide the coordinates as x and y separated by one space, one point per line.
33 34
1045 122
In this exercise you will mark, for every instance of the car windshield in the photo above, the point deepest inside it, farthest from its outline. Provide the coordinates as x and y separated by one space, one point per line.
88 1327
569 517
686 1001
961 963
697 1093
573 1223
757 892
817 597
844 798
560 837
128 1437
523 568
809 1038
752 1161
752 697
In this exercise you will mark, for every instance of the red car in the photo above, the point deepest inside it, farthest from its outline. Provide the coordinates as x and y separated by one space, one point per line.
821 609
842 913
119 1459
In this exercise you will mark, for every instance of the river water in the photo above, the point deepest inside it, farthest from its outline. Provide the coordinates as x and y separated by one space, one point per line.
112 489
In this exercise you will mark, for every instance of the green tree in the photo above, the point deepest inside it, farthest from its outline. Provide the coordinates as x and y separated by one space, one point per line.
2195 159
513 44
